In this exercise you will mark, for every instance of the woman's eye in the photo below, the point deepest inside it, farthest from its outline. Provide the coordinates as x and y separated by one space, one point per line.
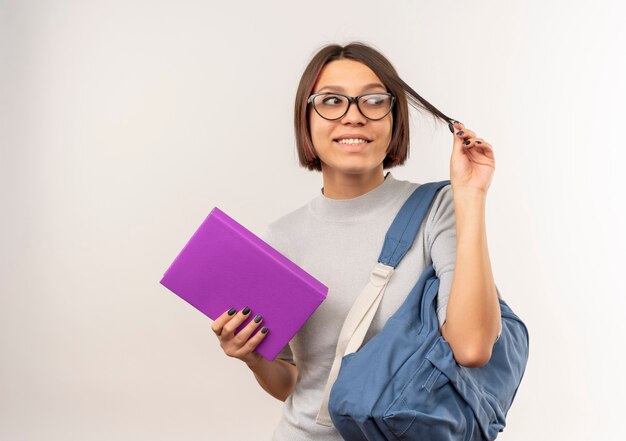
332 100
374 100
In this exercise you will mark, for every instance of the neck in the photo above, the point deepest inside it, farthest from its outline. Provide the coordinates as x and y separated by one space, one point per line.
338 185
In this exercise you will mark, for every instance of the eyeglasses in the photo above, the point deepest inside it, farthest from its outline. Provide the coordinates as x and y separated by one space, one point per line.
332 105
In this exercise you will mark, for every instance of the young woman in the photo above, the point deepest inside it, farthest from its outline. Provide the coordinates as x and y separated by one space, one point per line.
351 123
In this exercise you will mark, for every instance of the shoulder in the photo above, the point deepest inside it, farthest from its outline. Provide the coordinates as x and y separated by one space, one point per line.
440 214
441 217
443 201
442 204
285 226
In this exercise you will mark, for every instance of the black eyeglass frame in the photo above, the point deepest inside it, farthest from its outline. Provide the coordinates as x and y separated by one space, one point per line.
352 99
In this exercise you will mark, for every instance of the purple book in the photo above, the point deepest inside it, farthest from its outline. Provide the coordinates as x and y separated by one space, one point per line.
224 265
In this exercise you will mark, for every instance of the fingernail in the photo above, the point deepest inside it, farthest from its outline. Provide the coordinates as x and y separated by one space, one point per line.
455 122
467 142
460 132
245 311
451 128
257 319
231 311
264 330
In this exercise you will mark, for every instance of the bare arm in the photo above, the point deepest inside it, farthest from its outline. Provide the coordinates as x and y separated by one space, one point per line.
473 312
278 378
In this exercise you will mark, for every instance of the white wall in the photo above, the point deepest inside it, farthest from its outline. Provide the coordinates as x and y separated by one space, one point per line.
111 156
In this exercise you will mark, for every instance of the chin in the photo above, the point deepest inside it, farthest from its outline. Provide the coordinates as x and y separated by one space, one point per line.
351 167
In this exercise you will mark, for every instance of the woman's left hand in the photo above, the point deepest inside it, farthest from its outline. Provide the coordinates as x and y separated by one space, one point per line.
472 163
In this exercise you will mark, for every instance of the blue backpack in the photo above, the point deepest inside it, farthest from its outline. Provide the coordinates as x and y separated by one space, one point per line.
404 383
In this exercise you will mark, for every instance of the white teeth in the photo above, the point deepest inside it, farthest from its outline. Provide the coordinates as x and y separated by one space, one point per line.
352 141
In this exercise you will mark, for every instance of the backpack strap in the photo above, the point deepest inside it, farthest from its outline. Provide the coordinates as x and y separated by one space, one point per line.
398 240
404 228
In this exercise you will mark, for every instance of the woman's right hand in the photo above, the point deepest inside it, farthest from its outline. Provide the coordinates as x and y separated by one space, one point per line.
243 344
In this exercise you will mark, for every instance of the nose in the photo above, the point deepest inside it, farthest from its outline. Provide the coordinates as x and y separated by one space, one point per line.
353 115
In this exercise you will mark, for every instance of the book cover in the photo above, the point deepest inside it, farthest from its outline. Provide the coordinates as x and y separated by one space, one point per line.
224 265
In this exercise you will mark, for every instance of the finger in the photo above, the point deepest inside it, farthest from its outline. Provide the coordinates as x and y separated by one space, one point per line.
480 152
255 340
479 145
455 126
459 137
243 335
233 324
219 322
471 141
464 134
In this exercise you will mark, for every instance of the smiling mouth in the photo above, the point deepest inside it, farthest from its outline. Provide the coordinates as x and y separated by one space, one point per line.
351 141
353 147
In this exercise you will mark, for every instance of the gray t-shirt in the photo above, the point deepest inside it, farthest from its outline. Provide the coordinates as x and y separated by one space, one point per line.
338 242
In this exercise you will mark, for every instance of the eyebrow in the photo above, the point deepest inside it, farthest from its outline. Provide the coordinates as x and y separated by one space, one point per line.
367 86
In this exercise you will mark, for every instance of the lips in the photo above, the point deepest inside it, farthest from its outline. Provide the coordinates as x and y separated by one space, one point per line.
353 148
352 136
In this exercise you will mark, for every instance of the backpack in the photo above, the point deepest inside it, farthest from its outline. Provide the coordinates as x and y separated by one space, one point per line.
404 383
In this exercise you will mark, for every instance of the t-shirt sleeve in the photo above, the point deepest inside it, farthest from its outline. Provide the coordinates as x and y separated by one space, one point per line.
285 353
441 240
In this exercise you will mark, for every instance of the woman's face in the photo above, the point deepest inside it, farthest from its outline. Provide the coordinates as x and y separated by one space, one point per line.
350 78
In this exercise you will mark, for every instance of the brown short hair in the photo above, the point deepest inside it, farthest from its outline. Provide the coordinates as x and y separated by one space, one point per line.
399 145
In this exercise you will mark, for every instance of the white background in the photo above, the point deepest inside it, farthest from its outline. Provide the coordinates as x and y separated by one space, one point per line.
123 123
